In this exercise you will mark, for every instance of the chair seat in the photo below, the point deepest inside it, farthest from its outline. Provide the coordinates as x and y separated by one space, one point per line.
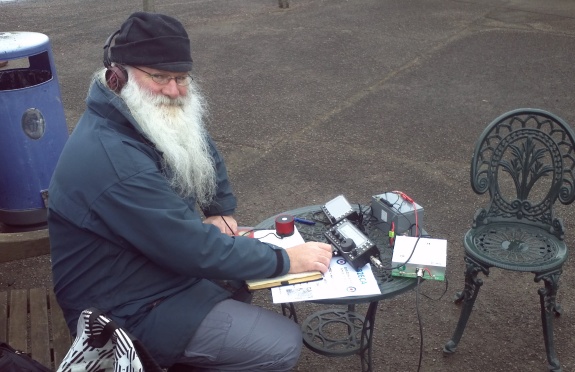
515 246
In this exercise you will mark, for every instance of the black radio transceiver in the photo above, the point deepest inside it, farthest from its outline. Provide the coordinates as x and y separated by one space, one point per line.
352 244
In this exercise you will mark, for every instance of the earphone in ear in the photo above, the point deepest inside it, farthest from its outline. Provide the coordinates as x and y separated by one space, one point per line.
116 75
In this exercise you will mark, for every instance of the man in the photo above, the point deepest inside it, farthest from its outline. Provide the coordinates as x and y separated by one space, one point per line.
125 234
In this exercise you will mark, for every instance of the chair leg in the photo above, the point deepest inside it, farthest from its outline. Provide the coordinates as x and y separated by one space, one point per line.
468 297
549 309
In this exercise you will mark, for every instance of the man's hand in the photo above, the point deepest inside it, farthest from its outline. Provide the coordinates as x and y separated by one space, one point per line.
227 224
310 256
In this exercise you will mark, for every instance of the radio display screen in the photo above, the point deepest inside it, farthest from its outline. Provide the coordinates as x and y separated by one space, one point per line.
350 232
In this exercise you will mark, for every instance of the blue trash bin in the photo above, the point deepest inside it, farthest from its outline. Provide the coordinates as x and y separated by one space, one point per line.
32 124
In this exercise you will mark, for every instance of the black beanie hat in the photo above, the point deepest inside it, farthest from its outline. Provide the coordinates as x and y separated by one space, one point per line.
153 40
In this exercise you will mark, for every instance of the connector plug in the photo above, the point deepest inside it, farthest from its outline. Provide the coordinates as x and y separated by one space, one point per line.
377 263
419 272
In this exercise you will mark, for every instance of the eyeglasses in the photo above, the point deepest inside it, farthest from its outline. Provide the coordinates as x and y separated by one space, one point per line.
164 79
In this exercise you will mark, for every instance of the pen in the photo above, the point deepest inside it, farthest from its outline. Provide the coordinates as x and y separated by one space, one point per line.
304 221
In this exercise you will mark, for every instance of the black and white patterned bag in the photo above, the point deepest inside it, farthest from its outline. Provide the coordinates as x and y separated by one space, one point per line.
101 345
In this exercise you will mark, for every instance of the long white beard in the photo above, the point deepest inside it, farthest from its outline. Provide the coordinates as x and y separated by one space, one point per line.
176 128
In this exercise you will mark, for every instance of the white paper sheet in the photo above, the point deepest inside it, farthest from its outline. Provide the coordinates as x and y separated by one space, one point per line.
269 236
341 280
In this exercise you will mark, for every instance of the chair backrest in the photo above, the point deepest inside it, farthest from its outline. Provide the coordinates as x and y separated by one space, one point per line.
525 159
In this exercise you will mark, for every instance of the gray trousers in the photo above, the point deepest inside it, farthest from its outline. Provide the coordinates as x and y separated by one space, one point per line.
236 336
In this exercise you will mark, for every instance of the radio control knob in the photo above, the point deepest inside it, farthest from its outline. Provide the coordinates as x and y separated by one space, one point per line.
347 245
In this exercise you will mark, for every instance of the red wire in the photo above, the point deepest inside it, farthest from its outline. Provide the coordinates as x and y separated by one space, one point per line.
410 200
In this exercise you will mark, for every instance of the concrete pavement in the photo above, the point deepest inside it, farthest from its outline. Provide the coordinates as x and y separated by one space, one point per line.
353 97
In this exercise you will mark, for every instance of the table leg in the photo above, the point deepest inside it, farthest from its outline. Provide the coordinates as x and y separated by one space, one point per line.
289 311
321 333
367 338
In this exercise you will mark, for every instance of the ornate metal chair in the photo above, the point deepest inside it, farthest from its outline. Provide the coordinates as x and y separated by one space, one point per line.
525 159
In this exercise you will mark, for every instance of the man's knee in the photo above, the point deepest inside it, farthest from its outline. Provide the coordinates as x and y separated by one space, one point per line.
291 346
250 338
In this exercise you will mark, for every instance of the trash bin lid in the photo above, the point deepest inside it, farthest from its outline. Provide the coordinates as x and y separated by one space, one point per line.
15 45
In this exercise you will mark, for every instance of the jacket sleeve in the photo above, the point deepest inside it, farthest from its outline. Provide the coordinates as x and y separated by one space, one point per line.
144 214
224 202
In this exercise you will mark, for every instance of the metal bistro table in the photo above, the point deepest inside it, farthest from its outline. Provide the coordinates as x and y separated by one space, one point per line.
317 329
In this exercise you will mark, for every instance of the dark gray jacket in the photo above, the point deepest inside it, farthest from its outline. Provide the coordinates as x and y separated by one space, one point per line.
124 242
